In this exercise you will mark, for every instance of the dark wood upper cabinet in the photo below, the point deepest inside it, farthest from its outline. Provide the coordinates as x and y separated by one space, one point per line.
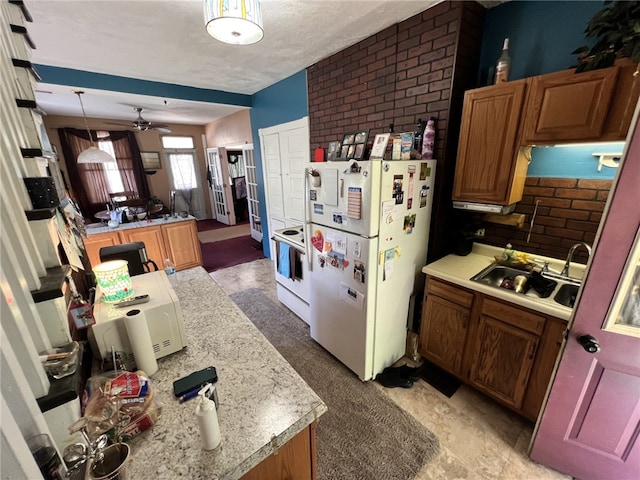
499 122
489 168
591 106
566 107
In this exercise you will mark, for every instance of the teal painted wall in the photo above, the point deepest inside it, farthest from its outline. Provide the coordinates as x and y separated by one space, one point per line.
282 102
114 83
572 162
542 35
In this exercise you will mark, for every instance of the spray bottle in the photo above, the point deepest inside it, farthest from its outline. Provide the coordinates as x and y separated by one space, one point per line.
208 419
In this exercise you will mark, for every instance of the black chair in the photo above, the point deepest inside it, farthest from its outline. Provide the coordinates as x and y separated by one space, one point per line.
135 253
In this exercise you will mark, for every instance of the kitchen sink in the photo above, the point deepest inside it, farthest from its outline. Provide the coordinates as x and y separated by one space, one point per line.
495 274
499 276
566 295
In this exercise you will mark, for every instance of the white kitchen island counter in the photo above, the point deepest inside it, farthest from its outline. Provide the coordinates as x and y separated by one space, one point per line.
263 402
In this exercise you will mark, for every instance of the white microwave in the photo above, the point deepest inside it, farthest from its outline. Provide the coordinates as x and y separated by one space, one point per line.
162 313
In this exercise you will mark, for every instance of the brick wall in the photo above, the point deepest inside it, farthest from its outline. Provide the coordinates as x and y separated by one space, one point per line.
569 211
415 69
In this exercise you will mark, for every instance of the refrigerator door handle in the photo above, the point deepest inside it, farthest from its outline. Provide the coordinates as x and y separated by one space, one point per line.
305 226
342 188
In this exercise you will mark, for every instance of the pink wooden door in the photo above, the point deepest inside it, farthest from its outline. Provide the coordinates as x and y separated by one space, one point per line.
591 423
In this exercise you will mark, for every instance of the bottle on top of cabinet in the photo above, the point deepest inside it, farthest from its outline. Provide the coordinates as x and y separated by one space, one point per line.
503 64
417 136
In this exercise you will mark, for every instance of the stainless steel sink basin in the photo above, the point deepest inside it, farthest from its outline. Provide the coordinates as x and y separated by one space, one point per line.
566 295
494 275
505 277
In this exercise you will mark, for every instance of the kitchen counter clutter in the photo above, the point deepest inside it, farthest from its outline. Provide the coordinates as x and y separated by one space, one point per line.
174 238
264 405
459 270
95 228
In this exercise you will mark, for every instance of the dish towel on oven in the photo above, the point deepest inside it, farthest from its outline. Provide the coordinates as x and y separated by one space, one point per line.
296 264
284 263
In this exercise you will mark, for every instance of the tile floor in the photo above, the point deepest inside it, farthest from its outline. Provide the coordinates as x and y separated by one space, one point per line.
479 439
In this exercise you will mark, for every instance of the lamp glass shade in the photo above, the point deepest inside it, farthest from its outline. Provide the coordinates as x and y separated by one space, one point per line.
238 22
114 281
94 155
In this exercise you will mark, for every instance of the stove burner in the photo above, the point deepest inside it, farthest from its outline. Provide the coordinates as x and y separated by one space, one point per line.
290 232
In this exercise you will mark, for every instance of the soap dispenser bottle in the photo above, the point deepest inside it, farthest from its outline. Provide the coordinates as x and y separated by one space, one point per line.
208 419
507 254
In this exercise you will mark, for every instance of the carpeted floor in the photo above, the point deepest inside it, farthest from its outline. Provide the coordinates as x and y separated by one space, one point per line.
230 252
212 224
364 435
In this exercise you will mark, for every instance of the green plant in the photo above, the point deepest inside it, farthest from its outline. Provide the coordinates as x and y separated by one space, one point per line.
616 29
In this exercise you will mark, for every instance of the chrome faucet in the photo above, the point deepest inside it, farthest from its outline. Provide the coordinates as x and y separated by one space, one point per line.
565 270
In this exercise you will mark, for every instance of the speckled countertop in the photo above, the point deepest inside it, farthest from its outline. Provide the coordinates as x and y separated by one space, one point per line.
94 228
263 402
459 270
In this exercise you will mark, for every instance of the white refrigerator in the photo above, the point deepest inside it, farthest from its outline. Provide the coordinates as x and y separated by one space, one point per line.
367 229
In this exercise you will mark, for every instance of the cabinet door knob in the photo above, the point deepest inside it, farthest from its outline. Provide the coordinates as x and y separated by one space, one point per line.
589 343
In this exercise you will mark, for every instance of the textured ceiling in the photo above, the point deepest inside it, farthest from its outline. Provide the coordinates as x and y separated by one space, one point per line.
165 41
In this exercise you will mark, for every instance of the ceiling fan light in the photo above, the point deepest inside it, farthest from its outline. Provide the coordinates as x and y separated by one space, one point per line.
94 155
238 22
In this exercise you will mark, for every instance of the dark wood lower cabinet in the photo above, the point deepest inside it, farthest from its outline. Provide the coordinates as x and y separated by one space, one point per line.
444 332
502 359
295 460
506 351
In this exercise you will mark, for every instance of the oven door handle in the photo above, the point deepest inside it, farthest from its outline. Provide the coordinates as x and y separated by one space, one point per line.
296 247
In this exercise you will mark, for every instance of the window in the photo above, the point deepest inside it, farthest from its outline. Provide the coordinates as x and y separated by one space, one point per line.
180 155
92 184
114 179
183 172
175 142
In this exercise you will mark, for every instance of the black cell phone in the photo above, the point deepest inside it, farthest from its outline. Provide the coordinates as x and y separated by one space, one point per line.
194 380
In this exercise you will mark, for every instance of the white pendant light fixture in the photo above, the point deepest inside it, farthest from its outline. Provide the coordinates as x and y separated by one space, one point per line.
238 22
92 154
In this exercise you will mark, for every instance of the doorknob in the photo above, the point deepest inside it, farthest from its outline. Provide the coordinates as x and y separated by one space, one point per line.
589 343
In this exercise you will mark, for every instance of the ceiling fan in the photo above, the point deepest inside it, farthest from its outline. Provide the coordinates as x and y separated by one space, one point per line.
143 125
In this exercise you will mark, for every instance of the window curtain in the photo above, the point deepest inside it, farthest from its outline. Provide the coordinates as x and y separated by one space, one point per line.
88 181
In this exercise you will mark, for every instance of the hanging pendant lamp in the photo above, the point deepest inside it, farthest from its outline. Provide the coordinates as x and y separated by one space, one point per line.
92 154
238 22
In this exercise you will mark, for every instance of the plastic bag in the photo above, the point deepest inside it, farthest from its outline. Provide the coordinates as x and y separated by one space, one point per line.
120 404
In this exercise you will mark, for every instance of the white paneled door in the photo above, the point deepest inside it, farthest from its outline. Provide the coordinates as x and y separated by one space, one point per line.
252 192
294 152
220 190
285 150
273 174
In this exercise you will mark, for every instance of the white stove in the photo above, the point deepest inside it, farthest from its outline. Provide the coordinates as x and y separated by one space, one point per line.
294 293
294 236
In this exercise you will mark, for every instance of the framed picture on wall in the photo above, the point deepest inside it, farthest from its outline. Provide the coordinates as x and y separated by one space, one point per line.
151 160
